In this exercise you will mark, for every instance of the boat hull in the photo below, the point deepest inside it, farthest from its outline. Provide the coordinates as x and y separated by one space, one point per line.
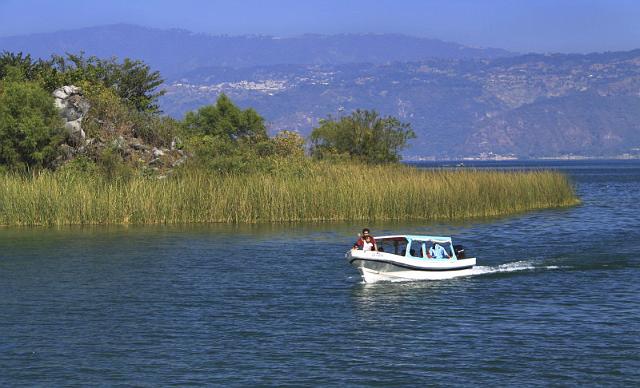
376 266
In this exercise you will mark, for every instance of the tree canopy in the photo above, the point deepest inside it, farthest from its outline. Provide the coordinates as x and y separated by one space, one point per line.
133 81
363 135
30 125
228 121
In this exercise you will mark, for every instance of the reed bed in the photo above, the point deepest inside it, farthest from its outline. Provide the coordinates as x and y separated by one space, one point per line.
323 192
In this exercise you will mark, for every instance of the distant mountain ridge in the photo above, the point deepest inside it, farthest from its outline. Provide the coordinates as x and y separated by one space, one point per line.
526 106
176 51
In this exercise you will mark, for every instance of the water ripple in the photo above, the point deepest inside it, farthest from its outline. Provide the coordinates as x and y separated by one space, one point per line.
553 301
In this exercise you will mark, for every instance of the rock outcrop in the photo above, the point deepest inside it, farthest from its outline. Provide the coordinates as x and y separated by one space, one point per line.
73 108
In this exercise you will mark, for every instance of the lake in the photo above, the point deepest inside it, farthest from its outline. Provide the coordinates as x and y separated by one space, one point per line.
555 300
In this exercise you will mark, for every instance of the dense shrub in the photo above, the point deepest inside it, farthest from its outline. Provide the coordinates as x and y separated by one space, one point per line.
112 165
363 135
32 70
107 115
30 126
132 81
288 144
226 120
159 131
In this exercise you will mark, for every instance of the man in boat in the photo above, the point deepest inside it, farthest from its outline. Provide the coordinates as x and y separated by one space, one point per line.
365 237
437 251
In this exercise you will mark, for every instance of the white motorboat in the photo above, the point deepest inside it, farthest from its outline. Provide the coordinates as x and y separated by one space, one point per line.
411 257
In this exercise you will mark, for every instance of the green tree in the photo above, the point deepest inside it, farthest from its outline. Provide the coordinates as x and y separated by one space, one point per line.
23 64
363 135
226 120
133 81
227 139
288 144
30 125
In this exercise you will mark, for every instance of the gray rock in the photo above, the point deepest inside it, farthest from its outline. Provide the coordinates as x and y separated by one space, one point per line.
176 143
73 107
67 152
157 153
139 147
119 143
59 103
75 132
60 93
71 89
178 162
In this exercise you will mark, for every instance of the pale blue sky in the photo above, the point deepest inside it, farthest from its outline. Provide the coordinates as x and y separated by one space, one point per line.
519 25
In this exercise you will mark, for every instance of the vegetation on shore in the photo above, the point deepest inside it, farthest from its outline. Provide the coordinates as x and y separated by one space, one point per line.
230 169
318 192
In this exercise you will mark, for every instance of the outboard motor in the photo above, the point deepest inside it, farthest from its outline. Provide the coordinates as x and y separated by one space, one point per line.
459 249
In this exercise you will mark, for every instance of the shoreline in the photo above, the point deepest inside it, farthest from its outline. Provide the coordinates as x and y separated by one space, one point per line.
515 159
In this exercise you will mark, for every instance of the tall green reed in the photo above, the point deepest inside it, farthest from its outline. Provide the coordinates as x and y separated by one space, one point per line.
320 192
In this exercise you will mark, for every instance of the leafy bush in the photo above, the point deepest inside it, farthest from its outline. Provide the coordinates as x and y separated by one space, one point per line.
30 126
159 131
107 115
30 69
225 138
81 165
363 135
226 120
132 81
288 144
112 165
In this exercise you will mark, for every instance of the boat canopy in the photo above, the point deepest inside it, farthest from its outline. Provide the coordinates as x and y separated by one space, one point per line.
435 239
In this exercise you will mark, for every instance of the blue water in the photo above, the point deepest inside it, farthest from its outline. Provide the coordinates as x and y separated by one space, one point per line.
555 301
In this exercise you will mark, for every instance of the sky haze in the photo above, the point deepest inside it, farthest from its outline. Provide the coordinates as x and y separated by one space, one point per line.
517 25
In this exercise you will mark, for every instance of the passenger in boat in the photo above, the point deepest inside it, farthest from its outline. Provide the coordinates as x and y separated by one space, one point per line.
437 251
369 244
360 243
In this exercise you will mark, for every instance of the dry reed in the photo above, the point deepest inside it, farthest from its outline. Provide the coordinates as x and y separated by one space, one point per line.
321 193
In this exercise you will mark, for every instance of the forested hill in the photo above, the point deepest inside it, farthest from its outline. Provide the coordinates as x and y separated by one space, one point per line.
174 52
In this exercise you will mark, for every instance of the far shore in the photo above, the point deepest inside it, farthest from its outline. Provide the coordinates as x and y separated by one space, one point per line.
413 159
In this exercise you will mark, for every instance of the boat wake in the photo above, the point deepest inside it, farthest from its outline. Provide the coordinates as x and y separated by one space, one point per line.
516 266
478 270
521 265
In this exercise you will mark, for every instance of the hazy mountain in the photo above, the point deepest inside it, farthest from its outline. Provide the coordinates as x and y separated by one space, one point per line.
527 106
175 51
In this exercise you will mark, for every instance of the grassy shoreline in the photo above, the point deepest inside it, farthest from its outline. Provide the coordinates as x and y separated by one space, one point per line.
322 192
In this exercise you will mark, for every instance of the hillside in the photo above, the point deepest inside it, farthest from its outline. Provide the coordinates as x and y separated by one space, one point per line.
174 52
525 106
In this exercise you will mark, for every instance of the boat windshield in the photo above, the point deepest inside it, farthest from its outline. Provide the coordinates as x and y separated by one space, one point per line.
395 245
438 249
425 249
